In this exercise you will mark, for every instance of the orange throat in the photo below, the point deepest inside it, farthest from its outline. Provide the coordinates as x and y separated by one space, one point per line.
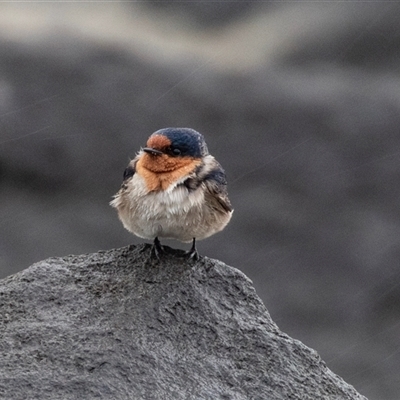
160 171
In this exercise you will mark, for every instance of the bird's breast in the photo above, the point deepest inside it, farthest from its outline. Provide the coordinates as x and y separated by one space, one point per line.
160 172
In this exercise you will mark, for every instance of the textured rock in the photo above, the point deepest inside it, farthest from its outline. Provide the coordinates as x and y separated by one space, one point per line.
118 325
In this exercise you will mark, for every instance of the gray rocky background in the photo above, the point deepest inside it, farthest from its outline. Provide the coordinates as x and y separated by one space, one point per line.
120 324
300 102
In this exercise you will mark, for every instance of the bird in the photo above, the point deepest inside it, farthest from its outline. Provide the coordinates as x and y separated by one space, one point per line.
174 189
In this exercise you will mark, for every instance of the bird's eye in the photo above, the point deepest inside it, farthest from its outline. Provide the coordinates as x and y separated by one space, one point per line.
176 152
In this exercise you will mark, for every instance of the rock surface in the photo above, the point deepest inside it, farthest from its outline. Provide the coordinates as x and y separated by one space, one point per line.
117 325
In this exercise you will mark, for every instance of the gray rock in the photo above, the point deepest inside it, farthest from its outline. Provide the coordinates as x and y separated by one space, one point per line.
119 325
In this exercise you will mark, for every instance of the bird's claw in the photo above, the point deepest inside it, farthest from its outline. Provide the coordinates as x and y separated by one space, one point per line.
157 249
193 253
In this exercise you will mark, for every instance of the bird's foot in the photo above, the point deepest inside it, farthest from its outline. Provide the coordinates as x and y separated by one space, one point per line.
193 253
157 250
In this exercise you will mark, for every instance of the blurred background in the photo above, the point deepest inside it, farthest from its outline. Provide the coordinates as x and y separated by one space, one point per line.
300 102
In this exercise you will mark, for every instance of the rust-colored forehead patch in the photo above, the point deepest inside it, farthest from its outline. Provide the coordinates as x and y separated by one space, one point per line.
158 142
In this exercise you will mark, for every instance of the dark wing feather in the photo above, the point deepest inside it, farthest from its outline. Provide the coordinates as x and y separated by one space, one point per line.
216 185
130 170
211 177
128 173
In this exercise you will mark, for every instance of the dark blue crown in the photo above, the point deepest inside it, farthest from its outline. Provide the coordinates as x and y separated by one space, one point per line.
190 142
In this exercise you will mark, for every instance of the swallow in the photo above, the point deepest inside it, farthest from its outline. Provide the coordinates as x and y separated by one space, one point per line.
174 189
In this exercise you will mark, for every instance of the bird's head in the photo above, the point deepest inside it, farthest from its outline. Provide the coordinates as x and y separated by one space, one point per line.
171 148
177 142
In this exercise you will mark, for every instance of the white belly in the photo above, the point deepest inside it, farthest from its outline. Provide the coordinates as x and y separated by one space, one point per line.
174 213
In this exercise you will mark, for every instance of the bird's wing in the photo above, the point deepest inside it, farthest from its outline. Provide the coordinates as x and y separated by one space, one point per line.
130 170
216 188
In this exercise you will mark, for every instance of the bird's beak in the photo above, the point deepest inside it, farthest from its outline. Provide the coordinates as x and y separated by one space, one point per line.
152 151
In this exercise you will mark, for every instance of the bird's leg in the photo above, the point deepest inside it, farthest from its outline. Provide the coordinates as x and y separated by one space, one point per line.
192 253
157 249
